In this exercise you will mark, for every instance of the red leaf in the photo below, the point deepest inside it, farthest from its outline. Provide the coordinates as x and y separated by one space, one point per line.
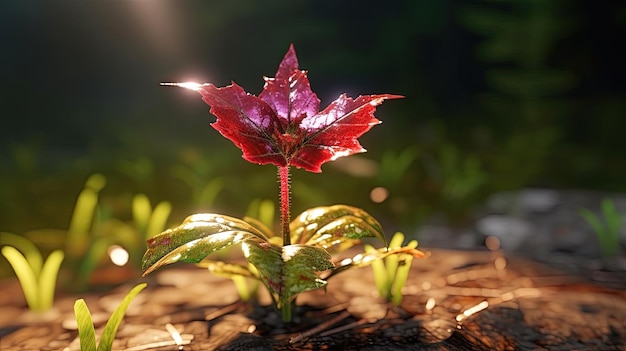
283 125
333 133
247 121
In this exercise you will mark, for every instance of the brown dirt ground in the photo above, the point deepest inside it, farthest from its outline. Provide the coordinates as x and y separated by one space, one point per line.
517 305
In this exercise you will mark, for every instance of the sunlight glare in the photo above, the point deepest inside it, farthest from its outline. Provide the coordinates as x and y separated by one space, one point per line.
187 85
290 251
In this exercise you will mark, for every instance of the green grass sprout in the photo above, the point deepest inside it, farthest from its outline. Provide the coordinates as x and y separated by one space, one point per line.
391 273
606 227
86 330
37 277
150 221
84 212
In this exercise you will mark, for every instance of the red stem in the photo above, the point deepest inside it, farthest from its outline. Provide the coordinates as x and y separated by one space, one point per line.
283 177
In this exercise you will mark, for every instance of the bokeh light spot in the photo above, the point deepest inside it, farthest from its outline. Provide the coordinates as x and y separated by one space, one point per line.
379 194
119 256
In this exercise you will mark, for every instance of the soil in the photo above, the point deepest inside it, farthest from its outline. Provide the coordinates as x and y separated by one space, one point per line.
454 300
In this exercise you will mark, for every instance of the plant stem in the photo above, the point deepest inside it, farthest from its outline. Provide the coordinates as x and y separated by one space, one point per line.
285 203
286 311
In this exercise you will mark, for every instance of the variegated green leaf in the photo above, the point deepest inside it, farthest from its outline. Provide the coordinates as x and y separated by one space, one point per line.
365 259
301 265
335 227
289 270
197 237
267 258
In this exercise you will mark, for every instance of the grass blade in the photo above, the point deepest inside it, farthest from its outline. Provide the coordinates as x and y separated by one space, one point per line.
86 332
381 280
158 220
26 246
612 218
141 210
25 275
392 261
402 274
48 279
593 221
108 335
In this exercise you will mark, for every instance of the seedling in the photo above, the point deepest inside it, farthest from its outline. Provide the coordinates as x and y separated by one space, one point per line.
283 127
150 221
37 277
607 227
86 330
391 274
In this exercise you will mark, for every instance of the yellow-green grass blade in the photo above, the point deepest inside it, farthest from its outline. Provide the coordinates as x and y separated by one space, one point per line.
86 332
25 275
110 329
26 246
48 279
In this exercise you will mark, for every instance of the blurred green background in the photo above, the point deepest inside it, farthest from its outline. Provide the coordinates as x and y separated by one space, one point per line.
499 95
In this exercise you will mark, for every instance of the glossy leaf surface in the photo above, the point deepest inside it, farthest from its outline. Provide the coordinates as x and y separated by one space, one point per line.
289 270
283 125
286 271
368 258
197 237
336 227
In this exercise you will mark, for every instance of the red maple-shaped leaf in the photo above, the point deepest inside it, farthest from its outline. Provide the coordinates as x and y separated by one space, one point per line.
283 125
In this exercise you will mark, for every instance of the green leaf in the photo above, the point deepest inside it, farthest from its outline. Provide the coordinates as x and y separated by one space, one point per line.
197 237
110 329
83 216
289 270
391 262
27 247
335 227
366 259
209 192
267 258
402 274
158 220
613 220
301 265
141 210
48 279
261 211
86 332
25 275
381 278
